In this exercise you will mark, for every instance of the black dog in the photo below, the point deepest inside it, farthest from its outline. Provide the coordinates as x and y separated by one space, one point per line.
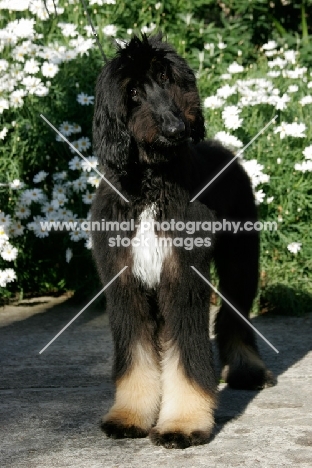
147 133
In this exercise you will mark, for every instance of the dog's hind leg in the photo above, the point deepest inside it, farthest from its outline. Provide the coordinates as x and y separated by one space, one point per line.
187 376
136 367
236 258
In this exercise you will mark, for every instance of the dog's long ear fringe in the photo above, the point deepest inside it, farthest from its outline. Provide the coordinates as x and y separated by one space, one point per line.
198 130
111 139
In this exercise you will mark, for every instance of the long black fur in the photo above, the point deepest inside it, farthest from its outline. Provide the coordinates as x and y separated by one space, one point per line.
145 92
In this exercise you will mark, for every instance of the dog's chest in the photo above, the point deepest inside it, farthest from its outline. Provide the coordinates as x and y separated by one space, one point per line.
149 250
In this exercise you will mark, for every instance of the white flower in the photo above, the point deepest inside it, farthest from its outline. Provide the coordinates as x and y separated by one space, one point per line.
94 180
152 26
32 84
294 247
16 229
280 103
83 144
277 62
7 276
79 185
270 45
221 45
75 144
76 128
87 198
110 30
259 197
230 116
60 175
213 102
35 195
39 8
290 56
16 184
35 226
209 46
3 234
22 212
76 235
84 99
273 73
91 164
68 29
3 133
226 76
305 166
254 171
68 255
307 152
9 252
22 28
75 163
294 129
16 98
66 128
4 65
269 200
31 66
292 88
5 220
228 140
235 68
306 100
226 91
49 69
296 73
4 104
88 243
157 5
40 177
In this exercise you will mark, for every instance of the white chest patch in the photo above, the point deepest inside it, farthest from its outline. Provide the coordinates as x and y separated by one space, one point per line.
151 251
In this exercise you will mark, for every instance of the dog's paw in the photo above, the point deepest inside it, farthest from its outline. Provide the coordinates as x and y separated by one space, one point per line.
248 376
178 439
117 430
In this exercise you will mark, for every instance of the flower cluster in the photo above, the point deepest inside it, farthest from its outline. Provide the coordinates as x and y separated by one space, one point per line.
29 65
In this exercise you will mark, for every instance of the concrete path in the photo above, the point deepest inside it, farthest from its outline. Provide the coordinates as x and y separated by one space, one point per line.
51 404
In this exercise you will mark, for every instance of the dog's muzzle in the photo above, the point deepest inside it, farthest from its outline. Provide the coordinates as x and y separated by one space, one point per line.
174 131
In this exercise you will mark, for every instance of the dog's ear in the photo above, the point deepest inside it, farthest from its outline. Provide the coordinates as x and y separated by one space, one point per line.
185 79
111 139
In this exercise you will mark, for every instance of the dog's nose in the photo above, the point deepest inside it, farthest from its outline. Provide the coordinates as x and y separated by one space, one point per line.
174 130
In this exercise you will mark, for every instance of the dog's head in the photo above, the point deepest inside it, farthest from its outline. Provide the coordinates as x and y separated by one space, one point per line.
146 96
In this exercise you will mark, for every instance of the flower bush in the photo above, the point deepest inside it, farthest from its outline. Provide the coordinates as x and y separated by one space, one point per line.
50 61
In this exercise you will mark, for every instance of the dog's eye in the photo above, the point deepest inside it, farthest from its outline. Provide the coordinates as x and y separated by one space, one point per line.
163 77
133 92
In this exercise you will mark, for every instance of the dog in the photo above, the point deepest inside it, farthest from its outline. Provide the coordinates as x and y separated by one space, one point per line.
148 135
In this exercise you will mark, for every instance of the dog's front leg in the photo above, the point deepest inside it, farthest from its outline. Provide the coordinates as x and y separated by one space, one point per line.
136 368
187 375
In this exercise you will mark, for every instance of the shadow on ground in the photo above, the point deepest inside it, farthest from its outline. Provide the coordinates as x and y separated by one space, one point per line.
41 390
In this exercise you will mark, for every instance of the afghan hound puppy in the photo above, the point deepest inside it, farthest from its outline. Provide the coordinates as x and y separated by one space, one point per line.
148 133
